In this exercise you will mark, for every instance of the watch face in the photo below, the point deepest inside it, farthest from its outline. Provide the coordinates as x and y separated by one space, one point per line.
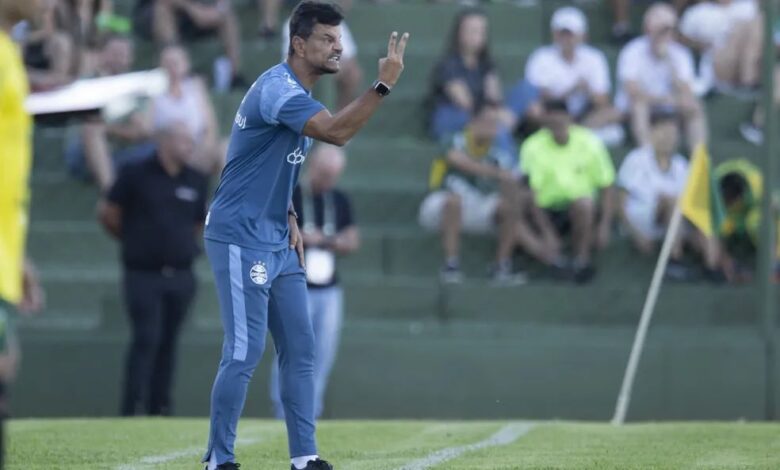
382 89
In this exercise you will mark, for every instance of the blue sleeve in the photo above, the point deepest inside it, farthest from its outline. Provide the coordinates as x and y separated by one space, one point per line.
285 102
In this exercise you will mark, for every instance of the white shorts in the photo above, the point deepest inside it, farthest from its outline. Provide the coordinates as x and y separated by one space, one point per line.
642 218
478 210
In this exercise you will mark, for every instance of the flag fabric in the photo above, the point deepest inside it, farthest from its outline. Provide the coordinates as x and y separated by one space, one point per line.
701 202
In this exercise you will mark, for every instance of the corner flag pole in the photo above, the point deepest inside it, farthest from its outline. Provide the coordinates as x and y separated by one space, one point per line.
647 313
766 251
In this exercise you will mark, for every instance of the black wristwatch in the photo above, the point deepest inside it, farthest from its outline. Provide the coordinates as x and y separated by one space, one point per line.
381 88
292 212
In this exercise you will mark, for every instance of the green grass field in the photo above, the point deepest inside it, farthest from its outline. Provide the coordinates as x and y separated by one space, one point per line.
373 445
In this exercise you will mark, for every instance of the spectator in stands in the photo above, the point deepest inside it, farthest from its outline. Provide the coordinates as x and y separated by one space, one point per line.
188 101
156 209
475 188
329 231
655 70
741 187
728 36
571 174
465 78
577 73
350 75
168 21
49 49
94 150
269 18
651 180
621 26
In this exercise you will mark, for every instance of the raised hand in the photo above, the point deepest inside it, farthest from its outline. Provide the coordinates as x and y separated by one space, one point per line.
390 67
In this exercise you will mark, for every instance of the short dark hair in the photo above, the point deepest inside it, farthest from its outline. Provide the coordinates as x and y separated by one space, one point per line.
733 187
308 14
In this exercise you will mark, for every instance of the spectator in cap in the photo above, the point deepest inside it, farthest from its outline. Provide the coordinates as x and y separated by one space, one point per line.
654 70
571 174
576 73
650 181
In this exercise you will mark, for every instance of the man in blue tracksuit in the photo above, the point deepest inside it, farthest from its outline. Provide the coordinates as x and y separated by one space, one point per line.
252 238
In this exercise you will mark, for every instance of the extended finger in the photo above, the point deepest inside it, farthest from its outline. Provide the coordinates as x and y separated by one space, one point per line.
392 43
402 45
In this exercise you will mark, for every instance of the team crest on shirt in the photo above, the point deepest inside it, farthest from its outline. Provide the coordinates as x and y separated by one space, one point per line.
258 273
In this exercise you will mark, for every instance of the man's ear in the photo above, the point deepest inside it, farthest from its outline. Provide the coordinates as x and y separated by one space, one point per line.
298 45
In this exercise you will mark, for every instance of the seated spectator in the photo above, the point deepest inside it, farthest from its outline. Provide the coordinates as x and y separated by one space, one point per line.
651 180
621 9
49 49
741 187
577 73
728 35
570 171
169 21
655 70
475 188
465 78
101 146
187 101
269 18
350 75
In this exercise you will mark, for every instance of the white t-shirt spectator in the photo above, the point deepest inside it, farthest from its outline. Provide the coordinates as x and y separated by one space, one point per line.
547 69
347 41
637 63
645 182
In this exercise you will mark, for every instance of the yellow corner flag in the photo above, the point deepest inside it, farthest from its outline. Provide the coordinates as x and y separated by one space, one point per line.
700 202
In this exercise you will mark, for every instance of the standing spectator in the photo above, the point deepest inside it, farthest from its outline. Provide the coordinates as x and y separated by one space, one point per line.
651 180
350 75
168 21
655 70
465 79
19 287
188 101
475 188
156 209
328 229
570 172
577 73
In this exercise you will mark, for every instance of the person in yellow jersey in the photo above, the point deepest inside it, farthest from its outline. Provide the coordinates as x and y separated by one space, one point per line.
19 288
571 175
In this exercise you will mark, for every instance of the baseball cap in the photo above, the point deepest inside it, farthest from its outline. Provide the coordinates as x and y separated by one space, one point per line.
569 19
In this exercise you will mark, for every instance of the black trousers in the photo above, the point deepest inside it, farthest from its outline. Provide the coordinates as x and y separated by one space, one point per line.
157 304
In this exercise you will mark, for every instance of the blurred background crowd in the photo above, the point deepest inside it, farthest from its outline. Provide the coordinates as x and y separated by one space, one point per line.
564 168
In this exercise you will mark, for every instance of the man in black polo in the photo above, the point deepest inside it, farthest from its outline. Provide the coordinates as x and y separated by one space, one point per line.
156 209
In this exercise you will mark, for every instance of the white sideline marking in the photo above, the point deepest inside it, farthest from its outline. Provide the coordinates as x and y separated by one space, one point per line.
506 435
153 460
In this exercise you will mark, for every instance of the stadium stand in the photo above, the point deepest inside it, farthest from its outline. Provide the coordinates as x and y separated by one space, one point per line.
412 348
